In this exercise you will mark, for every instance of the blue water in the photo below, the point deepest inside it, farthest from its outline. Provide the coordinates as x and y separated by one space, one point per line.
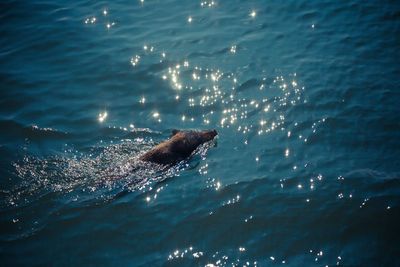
305 98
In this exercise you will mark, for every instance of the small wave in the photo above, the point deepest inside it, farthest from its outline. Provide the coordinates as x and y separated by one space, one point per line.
372 182
16 129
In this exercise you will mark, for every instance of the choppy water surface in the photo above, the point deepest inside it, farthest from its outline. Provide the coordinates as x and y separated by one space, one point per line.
304 96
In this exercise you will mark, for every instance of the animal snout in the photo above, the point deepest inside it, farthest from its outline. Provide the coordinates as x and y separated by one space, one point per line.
212 133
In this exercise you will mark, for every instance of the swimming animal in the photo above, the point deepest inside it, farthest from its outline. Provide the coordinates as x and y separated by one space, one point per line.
179 147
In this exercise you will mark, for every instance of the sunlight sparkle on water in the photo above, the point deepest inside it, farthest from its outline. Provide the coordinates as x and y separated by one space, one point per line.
214 87
90 20
135 60
299 186
217 186
109 25
207 4
102 116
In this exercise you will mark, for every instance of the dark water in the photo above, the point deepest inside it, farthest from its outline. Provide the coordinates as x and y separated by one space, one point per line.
305 97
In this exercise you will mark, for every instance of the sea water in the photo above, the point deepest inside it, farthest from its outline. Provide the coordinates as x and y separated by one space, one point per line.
305 98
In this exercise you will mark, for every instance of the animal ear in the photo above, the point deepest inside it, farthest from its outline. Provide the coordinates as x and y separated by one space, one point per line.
174 132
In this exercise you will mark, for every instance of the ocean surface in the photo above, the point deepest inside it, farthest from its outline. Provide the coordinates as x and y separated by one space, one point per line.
305 96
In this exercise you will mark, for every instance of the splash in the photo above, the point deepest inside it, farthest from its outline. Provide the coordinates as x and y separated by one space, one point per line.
102 172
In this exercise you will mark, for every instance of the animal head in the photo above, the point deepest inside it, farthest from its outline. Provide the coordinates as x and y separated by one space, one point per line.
180 146
206 135
187 141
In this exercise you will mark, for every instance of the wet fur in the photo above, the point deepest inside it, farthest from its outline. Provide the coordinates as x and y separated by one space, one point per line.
179 147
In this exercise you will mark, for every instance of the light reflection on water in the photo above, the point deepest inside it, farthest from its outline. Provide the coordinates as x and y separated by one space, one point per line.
286 183
219 98
102 168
